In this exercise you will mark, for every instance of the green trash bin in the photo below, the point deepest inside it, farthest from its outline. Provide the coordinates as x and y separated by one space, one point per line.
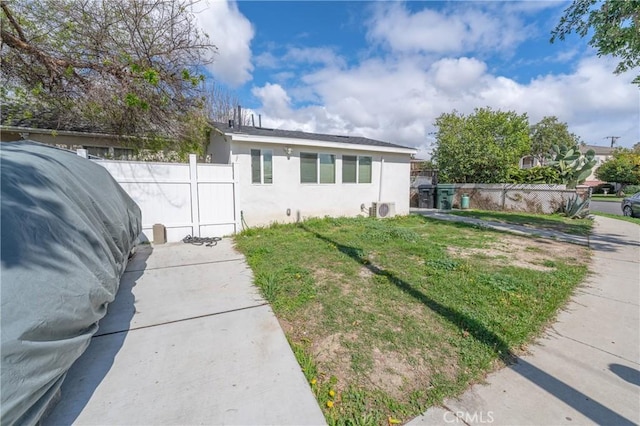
464 201
445 193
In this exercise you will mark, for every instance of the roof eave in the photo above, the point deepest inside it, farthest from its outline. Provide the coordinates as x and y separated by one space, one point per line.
54 132
244 137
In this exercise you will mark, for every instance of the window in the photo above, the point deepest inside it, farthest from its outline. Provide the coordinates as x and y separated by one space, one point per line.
364 169
110 152
527 162
123 154
316 168
356 169
327 168
349 169
98 151
308 168
261 166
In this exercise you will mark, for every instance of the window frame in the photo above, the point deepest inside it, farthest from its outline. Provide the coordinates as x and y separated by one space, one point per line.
318 167
119 153
358 170
261 170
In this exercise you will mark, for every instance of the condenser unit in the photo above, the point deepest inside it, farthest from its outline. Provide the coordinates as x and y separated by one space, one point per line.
381 210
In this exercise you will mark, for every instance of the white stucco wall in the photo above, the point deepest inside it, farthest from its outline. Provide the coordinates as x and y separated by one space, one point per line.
219 148
262 204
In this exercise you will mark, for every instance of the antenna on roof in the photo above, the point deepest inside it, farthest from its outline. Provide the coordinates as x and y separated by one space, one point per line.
613 139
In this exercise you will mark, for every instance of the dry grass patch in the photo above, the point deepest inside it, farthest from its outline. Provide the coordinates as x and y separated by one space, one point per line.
523 252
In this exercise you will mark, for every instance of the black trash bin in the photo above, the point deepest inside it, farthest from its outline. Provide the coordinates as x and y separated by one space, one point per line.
426 196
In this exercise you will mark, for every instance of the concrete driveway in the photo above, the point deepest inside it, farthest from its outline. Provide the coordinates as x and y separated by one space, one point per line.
188 340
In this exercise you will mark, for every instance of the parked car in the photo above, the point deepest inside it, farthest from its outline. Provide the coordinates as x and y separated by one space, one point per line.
631 205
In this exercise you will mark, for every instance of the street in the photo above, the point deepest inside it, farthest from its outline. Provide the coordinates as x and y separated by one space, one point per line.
612 207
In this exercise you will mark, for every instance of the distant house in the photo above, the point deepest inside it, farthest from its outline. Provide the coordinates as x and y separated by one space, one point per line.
603 153
291 175
528 161
97 144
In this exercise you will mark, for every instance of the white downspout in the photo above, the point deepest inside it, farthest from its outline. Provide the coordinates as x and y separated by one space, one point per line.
380 183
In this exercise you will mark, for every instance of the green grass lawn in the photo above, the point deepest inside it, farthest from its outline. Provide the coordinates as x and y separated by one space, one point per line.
388 317
553 222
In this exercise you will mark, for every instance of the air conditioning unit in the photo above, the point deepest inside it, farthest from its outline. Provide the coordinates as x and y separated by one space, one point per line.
382 210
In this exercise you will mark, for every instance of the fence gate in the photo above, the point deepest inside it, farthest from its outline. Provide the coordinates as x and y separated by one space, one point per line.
188 199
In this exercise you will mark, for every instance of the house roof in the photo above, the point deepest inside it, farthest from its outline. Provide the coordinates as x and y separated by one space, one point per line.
599 150
295 134
20 129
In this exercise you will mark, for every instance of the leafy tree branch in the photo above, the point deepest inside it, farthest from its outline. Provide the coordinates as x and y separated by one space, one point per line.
614 25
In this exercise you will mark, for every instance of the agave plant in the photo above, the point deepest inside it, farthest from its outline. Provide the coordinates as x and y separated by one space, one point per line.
576 208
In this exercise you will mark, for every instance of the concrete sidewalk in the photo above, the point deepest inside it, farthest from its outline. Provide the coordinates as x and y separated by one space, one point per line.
586 368
504 227
188 340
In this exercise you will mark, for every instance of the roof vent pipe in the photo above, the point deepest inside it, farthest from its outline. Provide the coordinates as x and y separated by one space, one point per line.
260 120
253 123
239 116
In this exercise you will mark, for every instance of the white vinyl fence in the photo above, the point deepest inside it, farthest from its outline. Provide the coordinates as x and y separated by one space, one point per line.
188 199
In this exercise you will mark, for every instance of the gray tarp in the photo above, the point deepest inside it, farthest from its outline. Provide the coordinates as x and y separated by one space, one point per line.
67 228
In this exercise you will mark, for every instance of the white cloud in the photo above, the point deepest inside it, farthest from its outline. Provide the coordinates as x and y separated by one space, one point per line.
273 99
267 60
313 55
434 65
398 101
435 31
457 74
232 33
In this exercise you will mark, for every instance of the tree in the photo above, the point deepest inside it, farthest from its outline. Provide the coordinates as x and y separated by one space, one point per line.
614 25
547 133
222 105
480 147
127 67
623 168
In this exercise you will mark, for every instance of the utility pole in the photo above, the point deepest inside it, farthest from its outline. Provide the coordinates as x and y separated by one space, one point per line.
613 139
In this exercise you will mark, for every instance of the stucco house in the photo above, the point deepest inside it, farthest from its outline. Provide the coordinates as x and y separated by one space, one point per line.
603 153
278 175
99 144
286 176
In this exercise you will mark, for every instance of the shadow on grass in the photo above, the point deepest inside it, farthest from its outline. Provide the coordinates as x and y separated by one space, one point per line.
581 402
459 319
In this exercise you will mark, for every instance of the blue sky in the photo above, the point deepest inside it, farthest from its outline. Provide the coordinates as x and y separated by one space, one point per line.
386 70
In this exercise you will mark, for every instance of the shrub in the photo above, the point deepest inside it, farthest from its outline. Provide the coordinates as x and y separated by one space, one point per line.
631 189
533 175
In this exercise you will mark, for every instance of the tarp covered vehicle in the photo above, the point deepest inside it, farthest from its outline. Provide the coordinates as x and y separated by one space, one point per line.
67 231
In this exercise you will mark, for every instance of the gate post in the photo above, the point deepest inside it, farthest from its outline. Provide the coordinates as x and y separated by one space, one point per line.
195 201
